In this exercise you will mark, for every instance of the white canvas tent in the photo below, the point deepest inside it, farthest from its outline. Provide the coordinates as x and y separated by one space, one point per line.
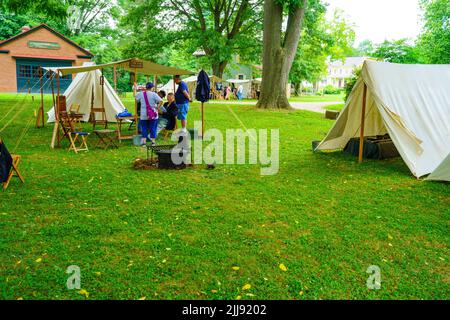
442 172
246 84
80 92
409 102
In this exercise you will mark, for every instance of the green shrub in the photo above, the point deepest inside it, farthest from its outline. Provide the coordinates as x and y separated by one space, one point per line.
329 89
351 82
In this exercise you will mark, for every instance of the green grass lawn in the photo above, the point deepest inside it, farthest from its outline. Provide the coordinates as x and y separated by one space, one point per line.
336 107
178 234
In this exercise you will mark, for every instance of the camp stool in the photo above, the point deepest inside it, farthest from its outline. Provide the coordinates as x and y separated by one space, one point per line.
106 138
73 136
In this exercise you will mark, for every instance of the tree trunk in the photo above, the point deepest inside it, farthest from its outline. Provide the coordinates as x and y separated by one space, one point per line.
297 88
278 53
219 68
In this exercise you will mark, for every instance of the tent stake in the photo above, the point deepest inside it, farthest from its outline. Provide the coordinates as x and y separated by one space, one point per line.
363 120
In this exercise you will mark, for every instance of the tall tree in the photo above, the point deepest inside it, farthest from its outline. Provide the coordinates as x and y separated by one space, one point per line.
88 15
321 40
434 42
280 47
220 27
397 51
52 8
364 49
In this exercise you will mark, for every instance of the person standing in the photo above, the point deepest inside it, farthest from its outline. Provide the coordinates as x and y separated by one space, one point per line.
182 99
150 102
240 92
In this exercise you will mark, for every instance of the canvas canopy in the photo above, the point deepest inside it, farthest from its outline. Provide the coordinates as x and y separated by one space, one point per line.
409 102
80 92
190 81
131 65
237 81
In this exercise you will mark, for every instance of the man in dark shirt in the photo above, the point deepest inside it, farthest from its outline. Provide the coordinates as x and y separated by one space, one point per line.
169 114
182 99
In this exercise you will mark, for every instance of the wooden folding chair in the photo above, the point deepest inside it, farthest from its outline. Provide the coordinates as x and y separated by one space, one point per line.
74 108
73 134
102 120
14 172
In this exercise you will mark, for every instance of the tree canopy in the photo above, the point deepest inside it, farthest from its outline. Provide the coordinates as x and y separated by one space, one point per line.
220 28
434 41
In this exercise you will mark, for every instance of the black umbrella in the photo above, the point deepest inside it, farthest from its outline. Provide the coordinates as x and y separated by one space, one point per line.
202 93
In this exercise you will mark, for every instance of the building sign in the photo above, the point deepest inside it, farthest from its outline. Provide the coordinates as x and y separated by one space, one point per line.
44 45
136 64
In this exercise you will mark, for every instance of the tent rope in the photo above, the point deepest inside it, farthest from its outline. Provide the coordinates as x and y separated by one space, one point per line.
8 123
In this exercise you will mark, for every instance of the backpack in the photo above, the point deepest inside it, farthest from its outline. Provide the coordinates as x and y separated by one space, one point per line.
151 113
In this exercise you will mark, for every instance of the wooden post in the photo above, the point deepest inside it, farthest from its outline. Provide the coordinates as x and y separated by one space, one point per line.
363 120
40 115
203 121
102 83
136 120
55 138
115 78
52 77
156 83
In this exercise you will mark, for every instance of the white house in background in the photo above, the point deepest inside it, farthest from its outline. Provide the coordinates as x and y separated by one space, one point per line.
338 72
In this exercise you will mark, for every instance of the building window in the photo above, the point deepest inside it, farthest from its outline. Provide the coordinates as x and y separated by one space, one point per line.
35 71
241 77
25 71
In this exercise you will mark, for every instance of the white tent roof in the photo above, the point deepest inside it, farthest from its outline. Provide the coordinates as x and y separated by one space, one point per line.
237 81
168 87
411 103
80 92
131 65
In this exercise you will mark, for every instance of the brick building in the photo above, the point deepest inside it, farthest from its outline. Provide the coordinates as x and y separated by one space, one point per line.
41 46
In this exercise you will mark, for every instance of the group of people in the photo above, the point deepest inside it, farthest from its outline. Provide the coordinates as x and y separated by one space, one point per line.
155 115
238 92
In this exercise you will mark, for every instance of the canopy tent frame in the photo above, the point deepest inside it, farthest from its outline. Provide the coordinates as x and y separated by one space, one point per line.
133 65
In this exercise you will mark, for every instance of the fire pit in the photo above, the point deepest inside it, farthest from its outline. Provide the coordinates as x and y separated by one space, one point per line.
165 152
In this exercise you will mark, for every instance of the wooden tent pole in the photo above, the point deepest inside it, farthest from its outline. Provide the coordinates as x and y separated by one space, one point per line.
115 78
102 83
203 121
52 77
55 139
136 120
363 120
41 108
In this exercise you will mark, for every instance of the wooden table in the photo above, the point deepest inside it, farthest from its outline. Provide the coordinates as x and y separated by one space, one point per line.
120 120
